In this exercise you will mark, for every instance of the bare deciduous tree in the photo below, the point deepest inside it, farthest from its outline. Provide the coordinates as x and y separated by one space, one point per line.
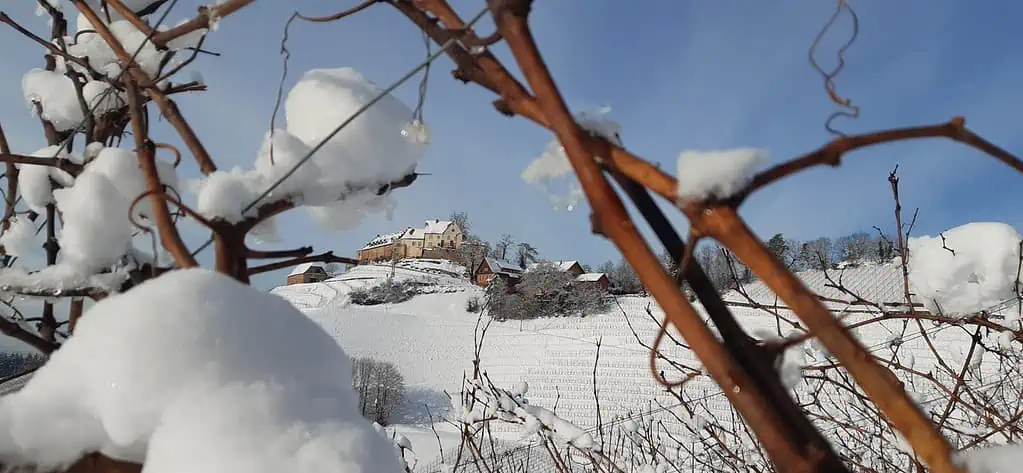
380 388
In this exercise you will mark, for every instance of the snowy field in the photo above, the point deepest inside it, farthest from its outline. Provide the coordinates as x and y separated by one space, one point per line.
430 339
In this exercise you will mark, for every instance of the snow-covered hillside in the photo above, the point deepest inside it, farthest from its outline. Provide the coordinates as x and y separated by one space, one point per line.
334 291
430 338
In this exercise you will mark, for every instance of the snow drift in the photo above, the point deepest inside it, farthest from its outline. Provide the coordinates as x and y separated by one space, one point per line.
195 372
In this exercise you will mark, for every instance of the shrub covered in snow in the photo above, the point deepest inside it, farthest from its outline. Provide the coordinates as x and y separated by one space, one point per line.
380 388
388 291
543 292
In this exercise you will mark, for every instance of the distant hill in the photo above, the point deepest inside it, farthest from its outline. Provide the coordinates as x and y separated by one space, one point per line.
430 339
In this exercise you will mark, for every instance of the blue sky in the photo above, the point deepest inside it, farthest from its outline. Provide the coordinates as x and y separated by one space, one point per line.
678 74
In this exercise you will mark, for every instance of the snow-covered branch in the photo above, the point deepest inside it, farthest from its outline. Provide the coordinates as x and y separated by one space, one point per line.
327 257
63 164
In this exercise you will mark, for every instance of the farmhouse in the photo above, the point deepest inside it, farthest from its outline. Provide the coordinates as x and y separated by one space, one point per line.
307 273
572 267
491 268
435 239
597 280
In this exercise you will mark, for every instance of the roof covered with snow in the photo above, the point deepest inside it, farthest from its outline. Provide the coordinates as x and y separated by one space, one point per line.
413 234
381 240
564 265
503 267
436 226
305 267
590 277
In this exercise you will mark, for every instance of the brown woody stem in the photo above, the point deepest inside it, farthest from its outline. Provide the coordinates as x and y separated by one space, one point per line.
69 167
167 106
206 16
169 236
12 181
831 154
884 389
296 253
615 223
327 257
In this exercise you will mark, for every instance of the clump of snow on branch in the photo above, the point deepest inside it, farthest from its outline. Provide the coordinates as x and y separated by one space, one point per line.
375 148
100 98
194 371
189 40
103 9
23 241
41 8
103 59
96 231
486 401
553 172
537 418
400 442
280 152
54 280
34 180
55 95
717 173
96 228
54 92
790 364
122 168
224 194
87 44
966 269
355 209
339 184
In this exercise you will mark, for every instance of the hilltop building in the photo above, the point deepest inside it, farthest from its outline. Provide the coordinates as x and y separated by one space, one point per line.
437 239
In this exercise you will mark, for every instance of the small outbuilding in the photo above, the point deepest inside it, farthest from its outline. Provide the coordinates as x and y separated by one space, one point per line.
308 273
598 280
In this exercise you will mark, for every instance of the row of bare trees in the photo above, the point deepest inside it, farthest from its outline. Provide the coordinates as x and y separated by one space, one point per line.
720 264
475 249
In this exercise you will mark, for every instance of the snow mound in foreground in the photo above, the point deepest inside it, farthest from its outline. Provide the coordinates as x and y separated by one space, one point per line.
195 372
966 269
